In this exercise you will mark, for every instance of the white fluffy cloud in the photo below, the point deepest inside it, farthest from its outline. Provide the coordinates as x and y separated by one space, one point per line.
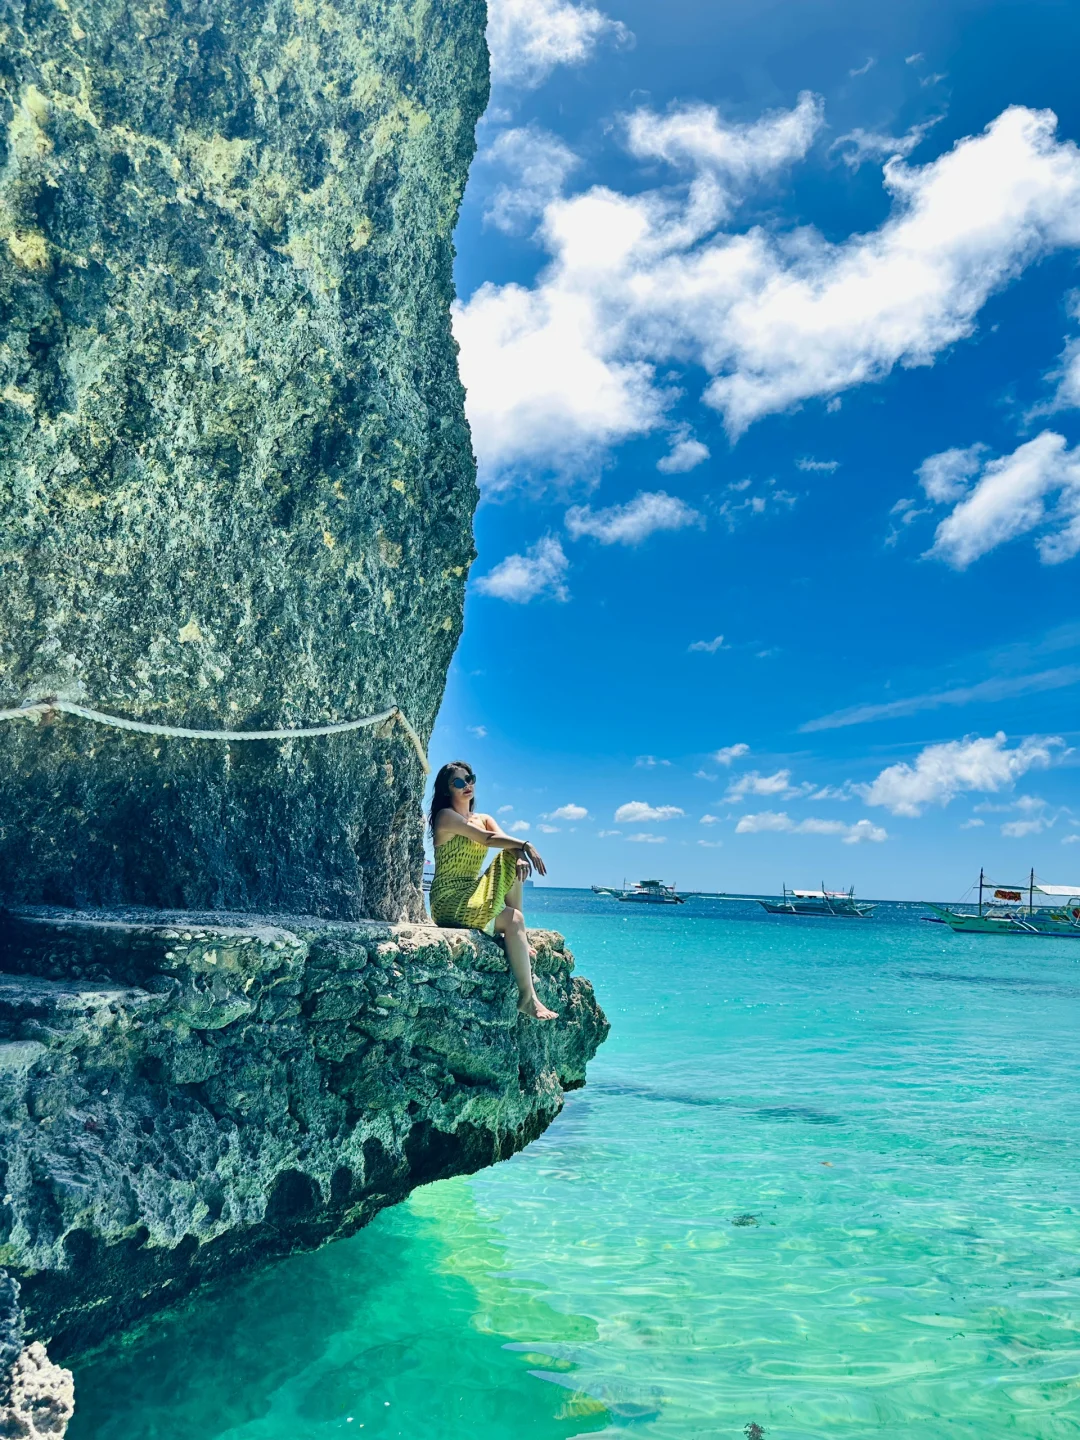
529 38
858 146
519 827
521 578
644 838
569 812
753 783
1018 829
728 753
1067 374
764 821
781 822
945 477
636 812
539 165
709 647
633 522
685 453
558 371
862 830
725 159
1008 499
941 772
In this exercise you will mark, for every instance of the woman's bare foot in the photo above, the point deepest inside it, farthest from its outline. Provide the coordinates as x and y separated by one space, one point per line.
535 1008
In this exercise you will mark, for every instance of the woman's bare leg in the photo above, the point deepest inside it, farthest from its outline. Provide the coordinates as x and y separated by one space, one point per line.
510 924
513 901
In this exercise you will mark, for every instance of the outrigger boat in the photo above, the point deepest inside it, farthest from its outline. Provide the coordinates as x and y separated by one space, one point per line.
822 903
645 892
1031 909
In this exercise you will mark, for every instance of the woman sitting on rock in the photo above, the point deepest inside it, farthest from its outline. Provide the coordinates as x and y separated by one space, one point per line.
462 897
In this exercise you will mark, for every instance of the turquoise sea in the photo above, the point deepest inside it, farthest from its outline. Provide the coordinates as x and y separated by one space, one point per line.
824 1182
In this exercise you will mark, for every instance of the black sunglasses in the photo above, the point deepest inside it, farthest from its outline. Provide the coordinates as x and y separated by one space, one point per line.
459 784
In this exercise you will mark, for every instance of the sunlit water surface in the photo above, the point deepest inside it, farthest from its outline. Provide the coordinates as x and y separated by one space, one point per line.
824 1181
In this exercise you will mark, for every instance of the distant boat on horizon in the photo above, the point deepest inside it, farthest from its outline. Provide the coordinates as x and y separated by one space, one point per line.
645 892
821 903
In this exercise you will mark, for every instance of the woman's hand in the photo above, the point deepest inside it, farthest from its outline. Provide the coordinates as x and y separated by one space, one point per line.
524 869
533 858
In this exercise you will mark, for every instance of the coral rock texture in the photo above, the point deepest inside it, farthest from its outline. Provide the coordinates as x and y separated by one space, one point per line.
236 483
36 1396
181 1097
42 1398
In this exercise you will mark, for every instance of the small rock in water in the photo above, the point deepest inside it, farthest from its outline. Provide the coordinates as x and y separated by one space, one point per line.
754 1431
745 1220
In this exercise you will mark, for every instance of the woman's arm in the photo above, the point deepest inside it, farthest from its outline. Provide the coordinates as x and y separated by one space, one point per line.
448 822
530 858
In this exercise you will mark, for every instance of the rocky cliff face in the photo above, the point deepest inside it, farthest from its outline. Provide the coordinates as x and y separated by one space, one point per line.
236 492
182 1097
236 483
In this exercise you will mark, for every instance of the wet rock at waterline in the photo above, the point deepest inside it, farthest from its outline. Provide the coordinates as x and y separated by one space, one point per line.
183 1098
236 483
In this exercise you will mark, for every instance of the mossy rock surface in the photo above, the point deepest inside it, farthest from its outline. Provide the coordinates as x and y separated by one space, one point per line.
236 482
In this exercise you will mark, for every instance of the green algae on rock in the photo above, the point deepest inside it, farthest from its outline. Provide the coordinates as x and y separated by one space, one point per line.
236 482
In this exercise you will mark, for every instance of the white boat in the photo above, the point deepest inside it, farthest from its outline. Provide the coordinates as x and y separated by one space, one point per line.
645 892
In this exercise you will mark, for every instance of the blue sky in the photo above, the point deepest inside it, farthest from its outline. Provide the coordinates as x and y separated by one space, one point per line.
770 325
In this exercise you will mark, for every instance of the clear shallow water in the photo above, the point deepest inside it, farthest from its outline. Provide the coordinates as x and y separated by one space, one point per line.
825 1178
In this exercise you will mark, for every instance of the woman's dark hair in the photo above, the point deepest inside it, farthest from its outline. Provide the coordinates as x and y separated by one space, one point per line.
440 796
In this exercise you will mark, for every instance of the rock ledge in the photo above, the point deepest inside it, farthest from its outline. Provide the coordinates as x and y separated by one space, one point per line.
185 1095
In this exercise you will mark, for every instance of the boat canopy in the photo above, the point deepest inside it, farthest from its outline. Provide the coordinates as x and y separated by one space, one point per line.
819 894
1042 897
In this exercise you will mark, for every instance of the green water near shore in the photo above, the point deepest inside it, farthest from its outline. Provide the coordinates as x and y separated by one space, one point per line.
824 1180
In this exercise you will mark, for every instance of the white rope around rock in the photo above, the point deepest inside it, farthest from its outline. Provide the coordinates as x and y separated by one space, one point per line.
37 708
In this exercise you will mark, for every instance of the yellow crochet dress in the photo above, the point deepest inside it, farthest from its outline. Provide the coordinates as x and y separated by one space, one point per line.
458 897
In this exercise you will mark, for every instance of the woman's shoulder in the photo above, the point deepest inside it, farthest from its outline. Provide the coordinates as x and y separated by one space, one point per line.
449 824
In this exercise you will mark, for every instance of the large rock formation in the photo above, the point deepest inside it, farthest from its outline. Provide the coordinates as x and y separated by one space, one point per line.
180 1100
236 483
236 491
